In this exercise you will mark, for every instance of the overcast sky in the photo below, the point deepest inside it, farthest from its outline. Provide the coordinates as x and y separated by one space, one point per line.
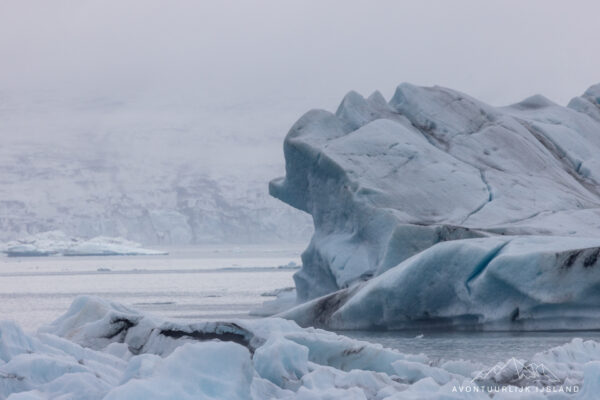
240 51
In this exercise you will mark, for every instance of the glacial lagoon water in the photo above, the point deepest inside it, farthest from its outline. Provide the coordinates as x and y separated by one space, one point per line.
219 283
188 283
486 348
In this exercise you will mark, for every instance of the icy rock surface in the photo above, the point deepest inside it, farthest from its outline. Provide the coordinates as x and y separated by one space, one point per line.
103 350
384 181
53 243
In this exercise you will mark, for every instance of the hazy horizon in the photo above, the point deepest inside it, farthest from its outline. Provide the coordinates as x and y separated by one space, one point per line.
311 52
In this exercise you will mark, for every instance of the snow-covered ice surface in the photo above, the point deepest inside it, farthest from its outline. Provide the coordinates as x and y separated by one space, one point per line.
53 243
103 350
387 182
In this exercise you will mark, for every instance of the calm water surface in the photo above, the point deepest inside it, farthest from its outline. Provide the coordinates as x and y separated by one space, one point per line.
191 283
219 282
484 347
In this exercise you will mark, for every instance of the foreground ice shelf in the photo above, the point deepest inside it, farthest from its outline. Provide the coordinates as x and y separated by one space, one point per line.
103 350
513 190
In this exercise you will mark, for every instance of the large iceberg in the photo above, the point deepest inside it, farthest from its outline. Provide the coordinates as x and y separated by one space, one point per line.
516 188
103 350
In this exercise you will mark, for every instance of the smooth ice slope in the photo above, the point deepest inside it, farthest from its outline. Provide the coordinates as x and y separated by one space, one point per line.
55 243
502 282
386 180
103 350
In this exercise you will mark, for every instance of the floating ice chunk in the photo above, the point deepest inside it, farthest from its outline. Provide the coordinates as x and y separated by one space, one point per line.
281 361
193 371
58 243
591 387
13 341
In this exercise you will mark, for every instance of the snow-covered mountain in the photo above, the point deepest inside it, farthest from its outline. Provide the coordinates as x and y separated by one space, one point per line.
387 182
170 172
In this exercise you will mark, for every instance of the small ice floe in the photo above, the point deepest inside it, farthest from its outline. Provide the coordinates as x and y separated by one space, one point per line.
290 265
57 243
